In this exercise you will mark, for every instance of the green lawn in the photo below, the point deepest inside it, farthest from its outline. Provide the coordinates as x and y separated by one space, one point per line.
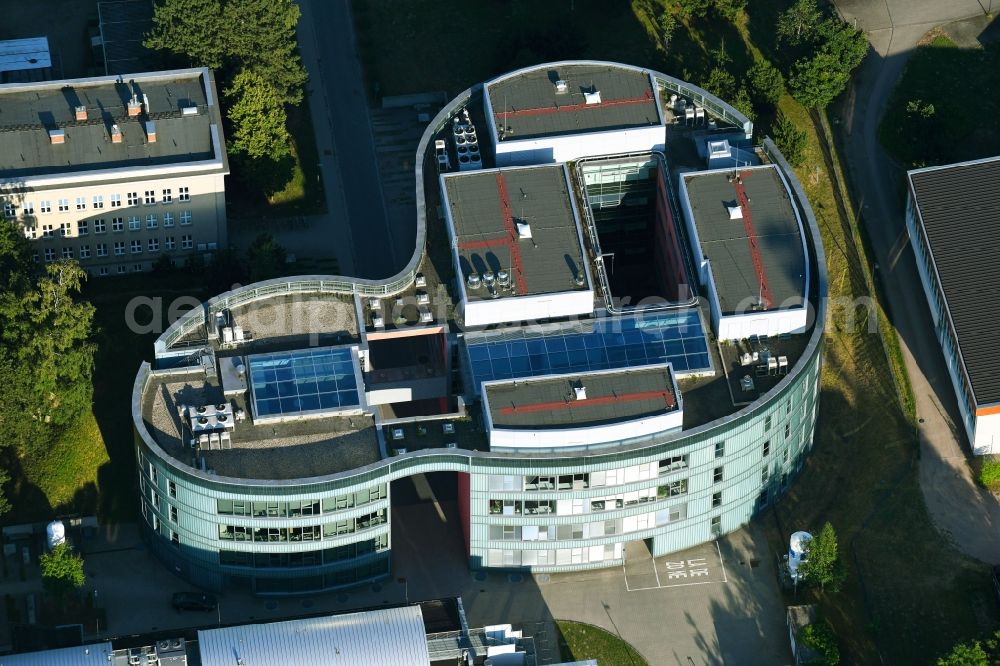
957 114
578 642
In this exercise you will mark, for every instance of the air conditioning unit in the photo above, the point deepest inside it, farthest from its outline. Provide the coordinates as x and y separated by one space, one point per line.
448 428
378 322
397 434
426 317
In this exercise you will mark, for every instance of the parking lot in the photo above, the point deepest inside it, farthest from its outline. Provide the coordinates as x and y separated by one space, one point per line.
702 565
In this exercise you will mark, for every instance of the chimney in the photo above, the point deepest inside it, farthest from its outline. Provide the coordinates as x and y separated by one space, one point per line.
134 107
116 134
81 113
150 131
57 136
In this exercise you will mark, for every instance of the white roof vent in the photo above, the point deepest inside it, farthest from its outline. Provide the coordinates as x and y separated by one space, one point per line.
735 212
426 317
397 434
523 230
378 322
189 111
562 86
374 304
592 97
580 392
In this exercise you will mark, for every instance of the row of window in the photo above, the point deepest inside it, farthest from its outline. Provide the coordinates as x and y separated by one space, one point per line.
306 533
591 530
311 558
65 229
553 557
119 248
511 507
295 509
148 198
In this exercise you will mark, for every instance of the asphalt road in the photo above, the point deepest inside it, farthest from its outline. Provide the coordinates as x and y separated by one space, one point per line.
360 228
962 511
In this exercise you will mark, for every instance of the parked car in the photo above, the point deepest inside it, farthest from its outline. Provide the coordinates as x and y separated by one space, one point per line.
194 601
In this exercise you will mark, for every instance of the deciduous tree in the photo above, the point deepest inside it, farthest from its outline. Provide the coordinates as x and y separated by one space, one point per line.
799 23
62 571
258 118
790 139
766 82
191 28
822 565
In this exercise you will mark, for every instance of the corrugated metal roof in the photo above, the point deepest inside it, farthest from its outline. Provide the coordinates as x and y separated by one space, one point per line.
386 636
19 54
726 243
960 212
84 655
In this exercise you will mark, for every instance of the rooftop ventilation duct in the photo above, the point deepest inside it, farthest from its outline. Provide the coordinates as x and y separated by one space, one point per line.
134 107
562 86
116 134
81 113
523 230
473 281
735 212
579 392
592 97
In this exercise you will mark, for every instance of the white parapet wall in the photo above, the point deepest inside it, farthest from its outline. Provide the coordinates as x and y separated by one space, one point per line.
477 312
566 148
546 438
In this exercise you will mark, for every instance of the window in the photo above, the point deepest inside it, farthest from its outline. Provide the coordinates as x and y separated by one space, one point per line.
50 254
46 231
63 205
116 200
767 423
784 456
82 228
120 268
673 489
173 514
64 230
168 219
136 246
27 208
716 526
133 223
788 407
119 250
67 253
100 226
788 430
45 206
763 475
183 194
167 198
175 539
85 252
103 270
150 197
672 464
136 268
9 209
133 198
720 449
102 249
186 217
717 475
187 242
118 224
168 243
767 448
716 499
81 203
153 245
30 232
151 221
98 201
156 523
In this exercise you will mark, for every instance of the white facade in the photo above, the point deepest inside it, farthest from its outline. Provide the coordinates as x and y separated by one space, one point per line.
566 148
525 308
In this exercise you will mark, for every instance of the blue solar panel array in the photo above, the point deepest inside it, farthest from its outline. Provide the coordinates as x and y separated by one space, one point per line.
308 380
677 337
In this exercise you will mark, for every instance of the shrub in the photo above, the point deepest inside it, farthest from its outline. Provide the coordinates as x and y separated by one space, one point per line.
766 82
989 472
791 140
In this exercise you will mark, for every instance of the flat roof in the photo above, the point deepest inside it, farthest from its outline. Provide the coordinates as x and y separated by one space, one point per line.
29 111
95 654
608 397
960 214
391 635
768 231
20 54
528 105
298 448
487 209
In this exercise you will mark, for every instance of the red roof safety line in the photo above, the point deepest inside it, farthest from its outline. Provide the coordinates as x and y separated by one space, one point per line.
582 106
508 224
666 396
483 244
758 261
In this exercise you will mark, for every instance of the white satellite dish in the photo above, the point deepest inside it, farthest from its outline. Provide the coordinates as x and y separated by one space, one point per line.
798 546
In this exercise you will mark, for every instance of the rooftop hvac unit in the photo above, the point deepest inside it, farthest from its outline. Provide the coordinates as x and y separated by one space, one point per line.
374 304
421 280
489 278
579 392
448 428
397 434
189 111
503 278
592 97
378 322
423 298
562 86
473 281
475 162
426 317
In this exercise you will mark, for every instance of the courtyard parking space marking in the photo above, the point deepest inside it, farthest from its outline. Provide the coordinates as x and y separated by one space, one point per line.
683 568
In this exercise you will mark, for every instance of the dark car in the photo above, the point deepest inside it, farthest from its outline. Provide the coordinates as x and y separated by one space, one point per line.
194 601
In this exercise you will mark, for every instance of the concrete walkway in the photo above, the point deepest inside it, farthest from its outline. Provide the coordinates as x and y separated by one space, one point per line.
966 514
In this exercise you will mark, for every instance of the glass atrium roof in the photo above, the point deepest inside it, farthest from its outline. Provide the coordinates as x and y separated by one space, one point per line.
302 381
614 342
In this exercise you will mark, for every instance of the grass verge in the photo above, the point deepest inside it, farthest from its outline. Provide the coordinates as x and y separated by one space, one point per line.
68 473
579 641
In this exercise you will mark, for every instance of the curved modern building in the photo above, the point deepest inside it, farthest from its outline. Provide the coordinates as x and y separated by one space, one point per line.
610 331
